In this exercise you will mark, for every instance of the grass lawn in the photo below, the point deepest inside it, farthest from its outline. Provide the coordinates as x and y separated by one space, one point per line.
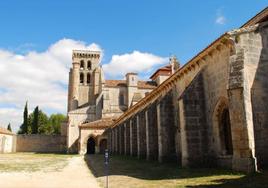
32 162
131 172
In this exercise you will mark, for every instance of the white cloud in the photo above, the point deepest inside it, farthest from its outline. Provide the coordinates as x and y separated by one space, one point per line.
12 115
132 62
220 18
41 78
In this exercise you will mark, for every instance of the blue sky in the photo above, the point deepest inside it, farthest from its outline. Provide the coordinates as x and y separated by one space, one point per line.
160 27
36 39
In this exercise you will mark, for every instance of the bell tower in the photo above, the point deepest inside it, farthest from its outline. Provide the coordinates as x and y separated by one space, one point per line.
81 78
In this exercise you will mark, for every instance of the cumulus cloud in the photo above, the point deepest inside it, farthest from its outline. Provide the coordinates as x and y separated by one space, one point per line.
132 62
220 18
39 77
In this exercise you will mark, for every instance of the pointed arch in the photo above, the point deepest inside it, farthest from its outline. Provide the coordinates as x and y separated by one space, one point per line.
222 134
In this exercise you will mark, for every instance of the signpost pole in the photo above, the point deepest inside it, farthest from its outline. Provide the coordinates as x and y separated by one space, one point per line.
106 163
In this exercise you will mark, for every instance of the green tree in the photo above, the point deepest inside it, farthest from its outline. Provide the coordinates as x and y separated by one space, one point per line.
55 121
39 123
43 124
35 121
25 125
9 127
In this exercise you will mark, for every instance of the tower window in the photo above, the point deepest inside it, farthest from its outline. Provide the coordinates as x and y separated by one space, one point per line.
88 78
89 65
81 78
82 64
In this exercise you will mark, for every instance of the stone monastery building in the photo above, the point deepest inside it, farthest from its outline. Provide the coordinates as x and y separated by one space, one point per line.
210 112
94 102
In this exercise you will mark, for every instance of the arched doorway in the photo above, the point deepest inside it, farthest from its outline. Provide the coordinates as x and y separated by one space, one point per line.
103 145
91 146
225 132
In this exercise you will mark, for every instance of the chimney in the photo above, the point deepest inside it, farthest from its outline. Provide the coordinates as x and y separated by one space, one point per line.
132 79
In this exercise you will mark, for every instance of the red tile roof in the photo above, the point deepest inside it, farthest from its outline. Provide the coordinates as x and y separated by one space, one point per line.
123 83
146 85
5 131
98 124
115 83
166 71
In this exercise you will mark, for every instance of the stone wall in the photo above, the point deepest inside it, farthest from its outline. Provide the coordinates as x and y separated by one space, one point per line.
256 75
41 143
127 137
134 147
152 133
166 128
142 135
195 127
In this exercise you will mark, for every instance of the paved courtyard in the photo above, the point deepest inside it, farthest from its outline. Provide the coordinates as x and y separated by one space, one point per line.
44 171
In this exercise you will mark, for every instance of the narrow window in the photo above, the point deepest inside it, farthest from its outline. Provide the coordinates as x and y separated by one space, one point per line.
121 100
88 78
89 65
82 64
81 78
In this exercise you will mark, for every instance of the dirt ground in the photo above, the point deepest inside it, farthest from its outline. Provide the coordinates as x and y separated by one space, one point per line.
45 171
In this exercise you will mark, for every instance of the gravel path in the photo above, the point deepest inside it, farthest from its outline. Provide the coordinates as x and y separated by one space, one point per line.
74 175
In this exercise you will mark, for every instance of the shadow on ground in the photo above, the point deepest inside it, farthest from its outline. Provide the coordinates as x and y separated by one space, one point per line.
152 170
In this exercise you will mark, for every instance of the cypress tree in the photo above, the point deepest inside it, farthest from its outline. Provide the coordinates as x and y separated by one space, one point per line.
9 127
35 122
24 126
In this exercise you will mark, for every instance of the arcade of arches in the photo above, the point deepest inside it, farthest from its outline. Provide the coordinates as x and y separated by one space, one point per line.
92 145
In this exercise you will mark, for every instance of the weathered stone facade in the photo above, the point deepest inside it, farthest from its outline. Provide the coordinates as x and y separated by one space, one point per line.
210 112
